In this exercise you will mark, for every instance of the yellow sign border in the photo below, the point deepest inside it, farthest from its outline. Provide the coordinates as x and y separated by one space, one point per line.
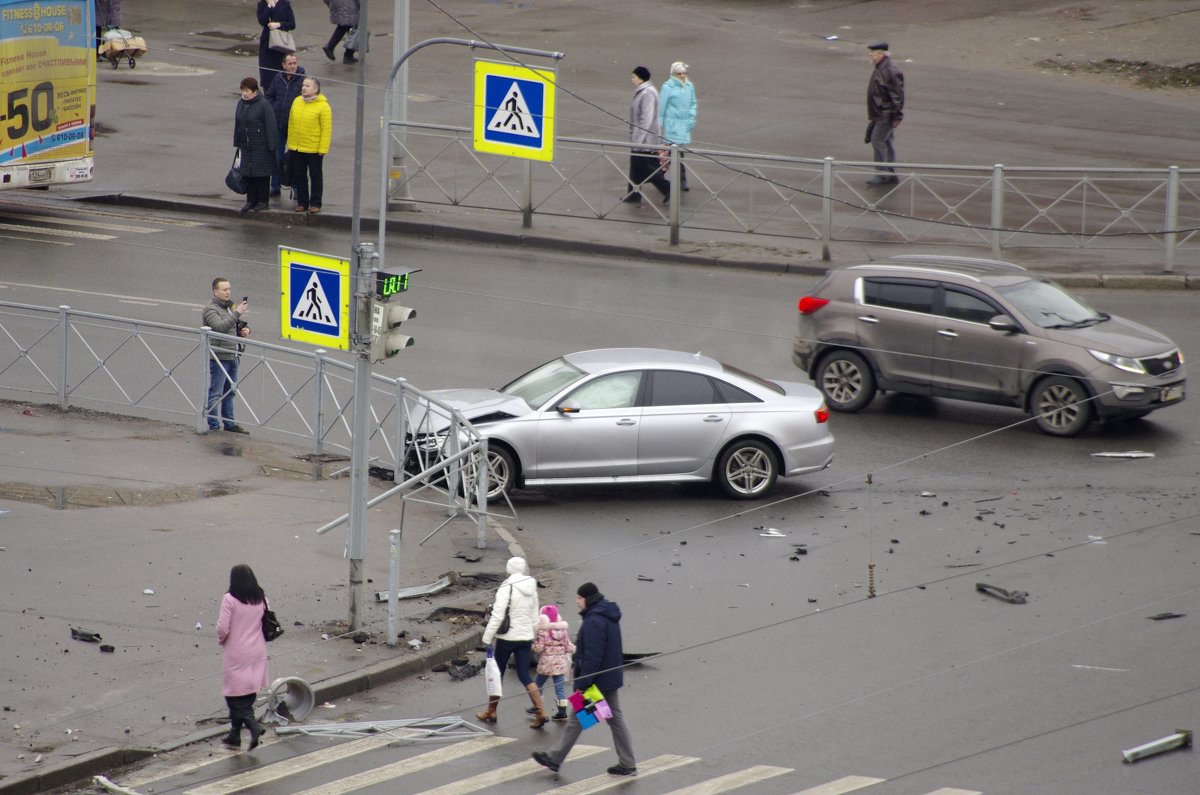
310 259
546 77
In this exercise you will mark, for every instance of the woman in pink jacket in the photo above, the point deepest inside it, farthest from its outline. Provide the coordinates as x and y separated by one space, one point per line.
244 659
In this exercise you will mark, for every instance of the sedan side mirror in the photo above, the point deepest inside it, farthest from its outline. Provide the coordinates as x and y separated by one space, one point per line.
569 406
1004 323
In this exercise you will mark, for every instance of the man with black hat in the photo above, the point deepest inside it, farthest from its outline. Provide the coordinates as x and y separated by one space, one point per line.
885 111
598 660
645 133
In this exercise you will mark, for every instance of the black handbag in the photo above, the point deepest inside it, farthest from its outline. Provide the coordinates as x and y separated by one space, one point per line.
270 623
286 167
235 180
506 623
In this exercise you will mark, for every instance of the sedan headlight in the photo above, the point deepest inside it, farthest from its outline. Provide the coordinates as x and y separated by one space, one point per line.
1120 362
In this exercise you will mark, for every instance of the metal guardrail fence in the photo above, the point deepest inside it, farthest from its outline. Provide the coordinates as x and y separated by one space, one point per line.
158 371
824 200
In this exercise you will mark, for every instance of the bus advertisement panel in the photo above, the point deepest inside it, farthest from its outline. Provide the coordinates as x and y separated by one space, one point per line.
47 92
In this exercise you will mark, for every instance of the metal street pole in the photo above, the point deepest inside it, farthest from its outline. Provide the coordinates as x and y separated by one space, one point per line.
360 330
397 168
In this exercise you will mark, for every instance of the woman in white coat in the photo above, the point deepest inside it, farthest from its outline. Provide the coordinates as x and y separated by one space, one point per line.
516 599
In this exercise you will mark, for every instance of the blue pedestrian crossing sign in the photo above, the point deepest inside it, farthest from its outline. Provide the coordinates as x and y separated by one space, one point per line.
315 298
514 110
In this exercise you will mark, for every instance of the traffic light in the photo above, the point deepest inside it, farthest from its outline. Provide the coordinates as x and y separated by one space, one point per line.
385 318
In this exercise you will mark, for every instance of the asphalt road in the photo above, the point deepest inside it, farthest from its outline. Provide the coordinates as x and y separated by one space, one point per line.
927 685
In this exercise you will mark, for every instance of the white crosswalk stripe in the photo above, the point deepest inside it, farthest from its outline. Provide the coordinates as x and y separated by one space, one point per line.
842 785
953 791
290 767
429 759
659 764
507 773
741 778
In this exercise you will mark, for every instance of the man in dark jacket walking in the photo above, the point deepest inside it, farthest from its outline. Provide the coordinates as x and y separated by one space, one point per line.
284 89
599 660
885 111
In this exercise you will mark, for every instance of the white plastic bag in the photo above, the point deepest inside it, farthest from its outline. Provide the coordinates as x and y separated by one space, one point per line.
491 676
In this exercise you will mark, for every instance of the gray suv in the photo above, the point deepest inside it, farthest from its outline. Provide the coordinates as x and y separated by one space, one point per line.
985 331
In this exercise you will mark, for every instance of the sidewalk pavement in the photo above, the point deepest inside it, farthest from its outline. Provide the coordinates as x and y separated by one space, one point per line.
128 528
165 128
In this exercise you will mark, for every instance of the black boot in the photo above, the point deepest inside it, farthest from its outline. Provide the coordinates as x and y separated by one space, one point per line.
348 57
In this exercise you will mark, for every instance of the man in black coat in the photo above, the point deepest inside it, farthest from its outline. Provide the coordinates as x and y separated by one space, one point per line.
885 111
599 660
282 92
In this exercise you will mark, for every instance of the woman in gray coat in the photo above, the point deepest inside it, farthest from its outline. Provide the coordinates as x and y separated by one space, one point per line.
343 15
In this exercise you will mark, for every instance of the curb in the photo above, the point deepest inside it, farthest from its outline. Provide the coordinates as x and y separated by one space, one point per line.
105 760
430 230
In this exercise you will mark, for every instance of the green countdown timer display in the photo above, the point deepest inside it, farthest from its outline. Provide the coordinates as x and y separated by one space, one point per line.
389 284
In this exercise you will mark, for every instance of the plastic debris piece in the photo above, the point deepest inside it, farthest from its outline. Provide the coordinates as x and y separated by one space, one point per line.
1126 454
928 494
1015 597
148 591
773 533
107 649
1165 616
415 643
644 578
1096 540
199 626
1182 738
86 635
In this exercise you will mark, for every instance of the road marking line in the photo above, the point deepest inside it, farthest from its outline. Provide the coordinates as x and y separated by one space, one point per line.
41 230
953 791
186 304
289 767
36 240
386 773
659 764
50 219
741 778
847 784
507 773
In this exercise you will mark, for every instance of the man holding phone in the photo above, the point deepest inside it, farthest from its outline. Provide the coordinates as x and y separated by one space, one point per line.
224 317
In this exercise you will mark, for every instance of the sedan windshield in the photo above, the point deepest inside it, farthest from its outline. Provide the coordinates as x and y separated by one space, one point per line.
541 383
1048 305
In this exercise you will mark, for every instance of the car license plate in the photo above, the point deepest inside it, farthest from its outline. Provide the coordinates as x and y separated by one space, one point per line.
1170 393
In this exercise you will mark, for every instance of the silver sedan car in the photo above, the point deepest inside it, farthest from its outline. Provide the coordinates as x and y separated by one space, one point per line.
642 415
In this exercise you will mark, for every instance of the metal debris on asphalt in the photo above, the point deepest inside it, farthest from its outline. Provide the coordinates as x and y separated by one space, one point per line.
1016 597
1126 454
772 533
928 494
1165 616
644 578
1182 738
441 584
86 635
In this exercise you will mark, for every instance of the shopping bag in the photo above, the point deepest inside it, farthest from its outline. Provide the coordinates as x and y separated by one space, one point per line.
235 180
491 676
590 707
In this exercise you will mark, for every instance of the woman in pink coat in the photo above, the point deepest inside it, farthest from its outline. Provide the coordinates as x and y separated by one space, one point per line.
244 661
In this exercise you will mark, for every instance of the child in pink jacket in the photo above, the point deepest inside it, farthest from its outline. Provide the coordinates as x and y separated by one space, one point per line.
553 644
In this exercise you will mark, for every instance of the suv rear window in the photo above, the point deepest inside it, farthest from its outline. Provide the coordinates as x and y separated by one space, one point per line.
910 295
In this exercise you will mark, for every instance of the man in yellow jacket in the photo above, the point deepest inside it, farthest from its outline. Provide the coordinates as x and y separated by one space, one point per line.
310 128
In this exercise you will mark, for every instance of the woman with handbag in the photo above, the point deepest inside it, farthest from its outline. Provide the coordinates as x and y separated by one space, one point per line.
343 15
310 130
257 138
512 626
244 653
272 15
